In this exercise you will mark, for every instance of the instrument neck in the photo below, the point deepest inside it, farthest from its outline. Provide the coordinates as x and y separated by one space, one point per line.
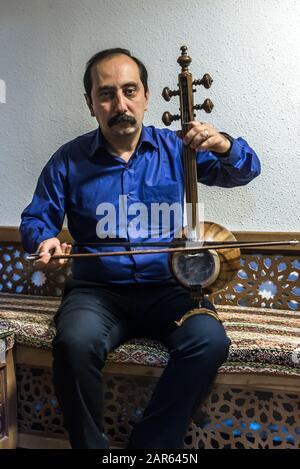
185 80
191 194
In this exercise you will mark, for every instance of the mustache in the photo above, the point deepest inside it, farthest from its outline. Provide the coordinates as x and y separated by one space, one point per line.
119 118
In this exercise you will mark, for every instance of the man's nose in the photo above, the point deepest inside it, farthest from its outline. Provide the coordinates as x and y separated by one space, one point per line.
120 102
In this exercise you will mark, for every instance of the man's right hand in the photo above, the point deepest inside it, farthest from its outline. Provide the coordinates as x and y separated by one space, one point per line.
46 249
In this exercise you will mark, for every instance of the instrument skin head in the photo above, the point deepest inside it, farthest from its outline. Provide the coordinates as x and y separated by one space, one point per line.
223 264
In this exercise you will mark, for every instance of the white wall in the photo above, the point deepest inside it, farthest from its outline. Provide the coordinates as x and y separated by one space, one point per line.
251 48
2 91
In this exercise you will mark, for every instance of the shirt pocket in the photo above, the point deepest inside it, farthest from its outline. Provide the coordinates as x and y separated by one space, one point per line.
165 206
91 194
168 193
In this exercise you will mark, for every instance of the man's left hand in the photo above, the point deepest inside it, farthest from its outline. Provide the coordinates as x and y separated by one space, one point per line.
204 137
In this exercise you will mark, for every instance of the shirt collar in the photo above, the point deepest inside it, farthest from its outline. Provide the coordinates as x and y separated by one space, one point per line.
98 140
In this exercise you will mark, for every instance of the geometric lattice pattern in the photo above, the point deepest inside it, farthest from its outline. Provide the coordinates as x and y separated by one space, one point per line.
38 410
265 281
17 275
230 417
125 400
239 418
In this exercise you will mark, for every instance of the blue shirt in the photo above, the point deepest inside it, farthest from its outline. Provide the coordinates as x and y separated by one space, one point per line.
82 177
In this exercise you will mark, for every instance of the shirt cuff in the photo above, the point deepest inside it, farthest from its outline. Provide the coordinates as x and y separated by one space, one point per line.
226 153
233 156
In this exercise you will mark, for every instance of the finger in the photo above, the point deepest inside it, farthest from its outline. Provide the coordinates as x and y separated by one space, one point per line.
41 263
207 144
199 138
189 136
197 128
65 250
54 265
68 249
46 250
59 250
202 126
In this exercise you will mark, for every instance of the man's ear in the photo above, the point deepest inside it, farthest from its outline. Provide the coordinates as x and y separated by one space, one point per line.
90 104
147 100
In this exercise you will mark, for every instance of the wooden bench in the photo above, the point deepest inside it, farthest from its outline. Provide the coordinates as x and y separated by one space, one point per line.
8 397
255 401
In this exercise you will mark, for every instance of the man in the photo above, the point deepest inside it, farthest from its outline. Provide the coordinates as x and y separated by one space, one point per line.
112 299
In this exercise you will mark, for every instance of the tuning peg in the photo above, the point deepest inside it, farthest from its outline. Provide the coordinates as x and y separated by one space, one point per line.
168 118
206 81
167 93
207 105
184 60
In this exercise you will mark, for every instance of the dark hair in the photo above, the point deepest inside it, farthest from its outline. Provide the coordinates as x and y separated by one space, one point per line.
87 79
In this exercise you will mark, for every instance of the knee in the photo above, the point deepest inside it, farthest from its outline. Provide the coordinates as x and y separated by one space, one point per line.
217 348
207 349
78 351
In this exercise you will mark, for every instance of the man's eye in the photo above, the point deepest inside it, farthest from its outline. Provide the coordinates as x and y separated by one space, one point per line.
130 91
106 95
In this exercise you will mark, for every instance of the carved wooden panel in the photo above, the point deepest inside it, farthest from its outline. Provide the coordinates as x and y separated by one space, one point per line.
18 276
38 410
264 280
244 419
230 417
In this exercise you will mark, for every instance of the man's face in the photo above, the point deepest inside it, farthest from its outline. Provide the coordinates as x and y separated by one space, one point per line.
118 98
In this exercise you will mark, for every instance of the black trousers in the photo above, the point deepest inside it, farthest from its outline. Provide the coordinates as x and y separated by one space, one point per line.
92 321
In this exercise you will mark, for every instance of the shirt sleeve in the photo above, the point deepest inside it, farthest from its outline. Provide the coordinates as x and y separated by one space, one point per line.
43 217
237 169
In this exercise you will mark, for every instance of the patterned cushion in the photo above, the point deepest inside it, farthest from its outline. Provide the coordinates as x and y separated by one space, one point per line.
263 340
